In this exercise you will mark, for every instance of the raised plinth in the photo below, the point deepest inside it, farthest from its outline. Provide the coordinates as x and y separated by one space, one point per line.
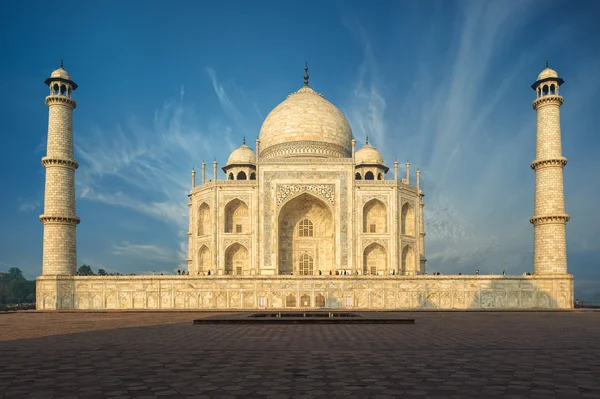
352 293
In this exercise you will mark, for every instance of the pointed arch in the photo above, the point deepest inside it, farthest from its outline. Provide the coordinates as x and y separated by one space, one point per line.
319 301
204 225
203 260
379 176
357 176
408 260
552 89
375 259
407 221
290 301
369 176
230 176
236 217
236 260
545 90
241 175
374 217
305 226
252 176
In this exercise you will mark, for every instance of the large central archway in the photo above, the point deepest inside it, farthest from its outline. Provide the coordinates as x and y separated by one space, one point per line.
305 236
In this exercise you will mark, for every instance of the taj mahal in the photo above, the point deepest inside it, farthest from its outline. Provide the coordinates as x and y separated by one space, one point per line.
305 220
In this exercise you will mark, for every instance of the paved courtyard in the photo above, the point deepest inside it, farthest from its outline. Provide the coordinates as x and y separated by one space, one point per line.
443 355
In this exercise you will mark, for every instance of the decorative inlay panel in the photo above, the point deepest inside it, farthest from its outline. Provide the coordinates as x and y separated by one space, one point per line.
244 241
368 198
305 147
368 241
325 191
244 198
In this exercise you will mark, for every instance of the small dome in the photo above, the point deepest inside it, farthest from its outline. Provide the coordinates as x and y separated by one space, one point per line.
60 73
368 155
306 124
242 155
547 73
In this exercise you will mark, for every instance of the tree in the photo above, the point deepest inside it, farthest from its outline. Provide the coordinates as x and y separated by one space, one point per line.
85 270
15 272
102 272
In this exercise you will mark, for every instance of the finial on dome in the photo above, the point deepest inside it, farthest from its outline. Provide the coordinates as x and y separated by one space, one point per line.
244 141
61 62
306 74
546 63
367 141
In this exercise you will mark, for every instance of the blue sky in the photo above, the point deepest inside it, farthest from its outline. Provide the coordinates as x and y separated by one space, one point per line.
165 85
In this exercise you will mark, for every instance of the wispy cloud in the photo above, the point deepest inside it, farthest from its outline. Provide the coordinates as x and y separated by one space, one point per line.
366 108
28 205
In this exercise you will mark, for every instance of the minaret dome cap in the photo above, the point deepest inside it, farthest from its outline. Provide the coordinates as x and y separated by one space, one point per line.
546 75
61 74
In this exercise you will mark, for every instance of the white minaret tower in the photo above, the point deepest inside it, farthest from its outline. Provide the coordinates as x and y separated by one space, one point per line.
549 217
60 245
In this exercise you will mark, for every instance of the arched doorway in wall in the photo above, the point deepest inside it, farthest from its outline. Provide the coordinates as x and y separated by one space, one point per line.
407 222
305 238
374 217
204 227
408 260
203 261
375 260
236 260
236 217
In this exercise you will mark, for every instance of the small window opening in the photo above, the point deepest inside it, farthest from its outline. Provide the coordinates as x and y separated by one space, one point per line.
238 228
372 228
305 228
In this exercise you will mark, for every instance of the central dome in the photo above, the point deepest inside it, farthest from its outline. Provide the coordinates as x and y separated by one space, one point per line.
305 124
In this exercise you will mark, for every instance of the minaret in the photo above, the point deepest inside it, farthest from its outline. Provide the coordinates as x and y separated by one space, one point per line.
549 217
60 246
422 258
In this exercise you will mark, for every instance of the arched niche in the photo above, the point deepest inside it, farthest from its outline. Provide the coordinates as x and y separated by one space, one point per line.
203 261
369 176
408 260
204 226
241 175
374 217
375 259
236 217
236 260
407 221
305 227
357 176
